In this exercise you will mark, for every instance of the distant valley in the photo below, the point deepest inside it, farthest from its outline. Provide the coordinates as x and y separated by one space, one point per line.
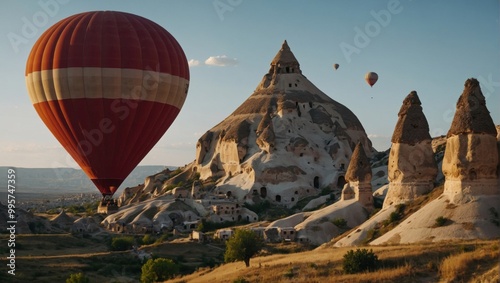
40 181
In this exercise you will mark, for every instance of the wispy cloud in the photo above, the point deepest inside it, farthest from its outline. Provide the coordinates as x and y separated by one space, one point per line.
221 61
376 136
194 63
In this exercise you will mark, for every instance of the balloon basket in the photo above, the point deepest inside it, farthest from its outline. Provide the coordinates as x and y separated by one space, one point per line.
107 206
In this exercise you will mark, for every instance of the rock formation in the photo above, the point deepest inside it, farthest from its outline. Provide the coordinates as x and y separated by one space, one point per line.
412 169
287 141
359 176
470 161
471 198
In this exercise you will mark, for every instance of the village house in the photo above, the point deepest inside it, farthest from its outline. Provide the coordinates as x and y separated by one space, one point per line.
223 234
287 234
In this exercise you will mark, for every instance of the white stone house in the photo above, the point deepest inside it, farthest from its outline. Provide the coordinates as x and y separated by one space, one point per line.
223 234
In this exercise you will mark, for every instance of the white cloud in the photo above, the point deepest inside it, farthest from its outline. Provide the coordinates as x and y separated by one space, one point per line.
376 136
221 61
193 63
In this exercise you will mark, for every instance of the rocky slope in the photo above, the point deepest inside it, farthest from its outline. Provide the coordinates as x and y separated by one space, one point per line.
469 206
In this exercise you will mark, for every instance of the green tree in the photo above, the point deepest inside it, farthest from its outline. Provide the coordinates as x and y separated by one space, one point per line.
122 243
77 278
242 246
159 269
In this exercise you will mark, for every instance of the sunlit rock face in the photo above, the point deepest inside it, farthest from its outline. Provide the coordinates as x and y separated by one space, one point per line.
470 163
288 140
412 168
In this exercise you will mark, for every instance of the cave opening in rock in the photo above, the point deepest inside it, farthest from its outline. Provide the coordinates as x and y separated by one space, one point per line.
263 192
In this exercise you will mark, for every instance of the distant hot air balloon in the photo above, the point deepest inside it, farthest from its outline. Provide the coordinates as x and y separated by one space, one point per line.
371 78
108 85
336 66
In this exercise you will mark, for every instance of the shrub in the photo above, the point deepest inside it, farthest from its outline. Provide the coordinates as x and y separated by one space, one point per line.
77 278
340 222
159 269
148 239
441 221
122 243
359 261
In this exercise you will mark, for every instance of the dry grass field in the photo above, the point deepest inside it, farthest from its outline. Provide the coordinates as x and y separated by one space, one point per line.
471 261
53 257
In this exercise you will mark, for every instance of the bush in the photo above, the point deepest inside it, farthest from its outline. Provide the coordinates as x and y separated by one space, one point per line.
77 278
441 221
159 269
339 222
359 261
148 239
122 243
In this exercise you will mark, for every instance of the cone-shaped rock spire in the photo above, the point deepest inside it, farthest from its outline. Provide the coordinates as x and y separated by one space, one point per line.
359 169
285 58
412 168
412 126
471 115
359 176
471 157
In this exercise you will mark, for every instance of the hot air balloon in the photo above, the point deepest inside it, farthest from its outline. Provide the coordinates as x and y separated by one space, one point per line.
371 78
107 85
336 66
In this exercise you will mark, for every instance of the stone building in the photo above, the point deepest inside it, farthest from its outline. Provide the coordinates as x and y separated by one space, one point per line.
412 169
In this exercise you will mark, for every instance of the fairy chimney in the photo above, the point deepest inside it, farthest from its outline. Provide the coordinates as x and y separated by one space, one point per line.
287 141
412 168
471 156
359 176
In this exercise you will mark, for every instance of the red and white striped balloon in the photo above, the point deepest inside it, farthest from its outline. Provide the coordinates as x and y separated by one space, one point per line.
108 85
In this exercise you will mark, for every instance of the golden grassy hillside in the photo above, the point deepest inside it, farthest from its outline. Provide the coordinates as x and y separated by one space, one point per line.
471 261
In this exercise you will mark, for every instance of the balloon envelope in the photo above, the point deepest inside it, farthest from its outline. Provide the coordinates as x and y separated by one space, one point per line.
107 85
371 78
336 66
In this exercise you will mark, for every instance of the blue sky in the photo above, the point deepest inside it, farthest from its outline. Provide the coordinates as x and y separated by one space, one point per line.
428 46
